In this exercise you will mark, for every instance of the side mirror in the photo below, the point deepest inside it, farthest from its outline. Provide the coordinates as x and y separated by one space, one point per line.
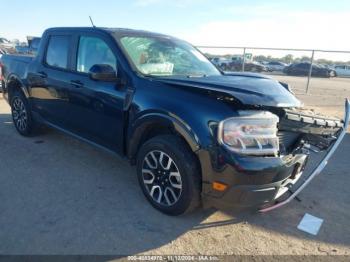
103 72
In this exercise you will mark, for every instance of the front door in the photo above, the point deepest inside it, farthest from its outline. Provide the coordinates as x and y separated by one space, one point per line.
96 107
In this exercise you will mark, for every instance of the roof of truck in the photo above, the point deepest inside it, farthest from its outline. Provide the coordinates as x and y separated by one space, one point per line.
118 31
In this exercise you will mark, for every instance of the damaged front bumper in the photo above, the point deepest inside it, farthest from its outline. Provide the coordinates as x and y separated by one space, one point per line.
330 151
257 181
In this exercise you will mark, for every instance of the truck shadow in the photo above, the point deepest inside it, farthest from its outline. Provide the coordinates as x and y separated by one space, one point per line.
61 196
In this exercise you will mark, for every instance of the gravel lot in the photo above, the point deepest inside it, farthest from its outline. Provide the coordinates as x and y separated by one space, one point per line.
61 196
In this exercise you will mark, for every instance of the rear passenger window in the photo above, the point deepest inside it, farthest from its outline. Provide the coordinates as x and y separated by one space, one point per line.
57 51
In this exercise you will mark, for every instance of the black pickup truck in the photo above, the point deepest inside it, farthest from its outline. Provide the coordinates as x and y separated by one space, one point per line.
196 134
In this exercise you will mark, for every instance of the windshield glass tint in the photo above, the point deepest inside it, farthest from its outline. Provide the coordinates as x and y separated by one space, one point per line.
166 57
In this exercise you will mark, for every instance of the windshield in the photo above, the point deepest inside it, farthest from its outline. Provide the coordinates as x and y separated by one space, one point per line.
160 56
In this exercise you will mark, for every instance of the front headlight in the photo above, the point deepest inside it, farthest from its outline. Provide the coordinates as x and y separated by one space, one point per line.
250 133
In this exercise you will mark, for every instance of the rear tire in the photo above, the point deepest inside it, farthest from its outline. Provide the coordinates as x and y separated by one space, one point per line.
21 114
169 175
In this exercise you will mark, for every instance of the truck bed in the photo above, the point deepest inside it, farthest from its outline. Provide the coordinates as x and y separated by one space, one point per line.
15 64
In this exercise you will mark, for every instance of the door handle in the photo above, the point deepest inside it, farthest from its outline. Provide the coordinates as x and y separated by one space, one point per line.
76 83
42 74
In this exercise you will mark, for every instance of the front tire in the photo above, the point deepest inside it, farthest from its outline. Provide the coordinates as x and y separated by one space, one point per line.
169 175
21 114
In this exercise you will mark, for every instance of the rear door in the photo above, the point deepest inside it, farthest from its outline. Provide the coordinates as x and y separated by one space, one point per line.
96 107
50 80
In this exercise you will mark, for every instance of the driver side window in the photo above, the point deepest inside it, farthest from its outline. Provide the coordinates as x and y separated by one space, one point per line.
93 51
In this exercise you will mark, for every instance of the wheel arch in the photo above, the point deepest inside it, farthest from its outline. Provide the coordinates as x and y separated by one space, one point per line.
14 83
153 124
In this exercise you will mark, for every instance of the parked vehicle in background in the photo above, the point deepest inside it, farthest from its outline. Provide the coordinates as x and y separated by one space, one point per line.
302 69
342 70
275 66
31 48
196 135
249 66
219 61
236 64
7 45
2 52
327 66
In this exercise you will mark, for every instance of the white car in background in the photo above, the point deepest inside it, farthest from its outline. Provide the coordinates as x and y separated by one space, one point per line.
342 70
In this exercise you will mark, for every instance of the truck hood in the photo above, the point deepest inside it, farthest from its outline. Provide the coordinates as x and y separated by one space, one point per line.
248 88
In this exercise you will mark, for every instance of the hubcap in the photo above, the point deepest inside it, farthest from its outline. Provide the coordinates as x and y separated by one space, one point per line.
161 178
19 114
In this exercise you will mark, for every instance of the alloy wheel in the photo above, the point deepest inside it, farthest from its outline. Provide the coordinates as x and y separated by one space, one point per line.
161 178
19 114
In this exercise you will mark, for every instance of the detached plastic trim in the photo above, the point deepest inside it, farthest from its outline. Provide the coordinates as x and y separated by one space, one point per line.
322 164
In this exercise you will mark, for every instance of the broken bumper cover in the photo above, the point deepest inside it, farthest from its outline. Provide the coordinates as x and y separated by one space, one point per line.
259 182
321 165
264 182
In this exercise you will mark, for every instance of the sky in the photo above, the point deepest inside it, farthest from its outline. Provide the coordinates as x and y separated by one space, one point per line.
281 24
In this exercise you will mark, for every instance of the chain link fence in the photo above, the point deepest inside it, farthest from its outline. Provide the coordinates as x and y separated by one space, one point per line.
307 63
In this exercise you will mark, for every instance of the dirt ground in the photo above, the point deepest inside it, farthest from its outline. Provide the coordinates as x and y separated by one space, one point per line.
62 196
327 94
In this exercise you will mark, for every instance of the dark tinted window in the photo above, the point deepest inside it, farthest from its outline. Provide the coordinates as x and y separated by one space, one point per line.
57 51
